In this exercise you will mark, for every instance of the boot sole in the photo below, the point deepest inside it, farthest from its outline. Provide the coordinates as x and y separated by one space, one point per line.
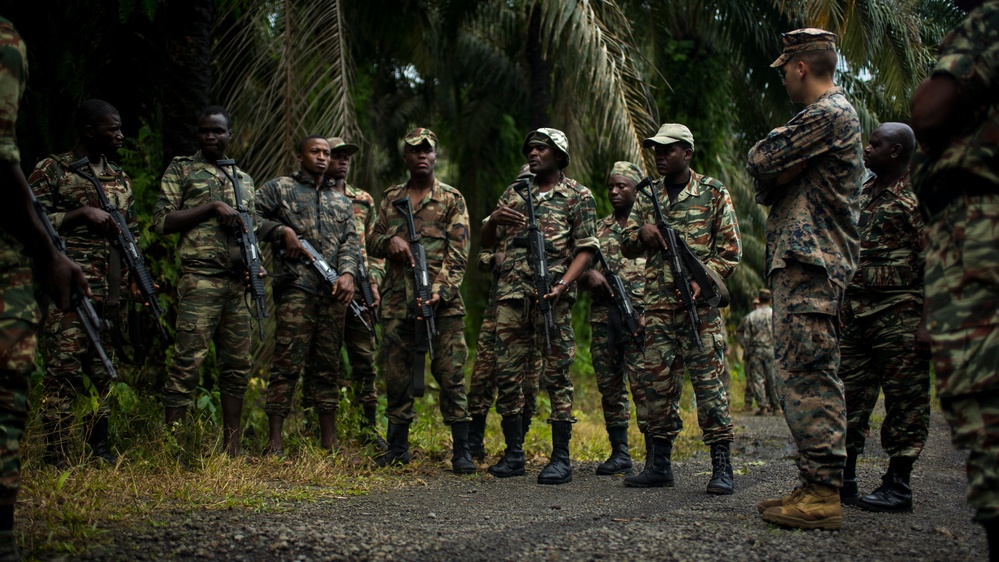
519 472
652 485
833 523
879 509
721 491
555 482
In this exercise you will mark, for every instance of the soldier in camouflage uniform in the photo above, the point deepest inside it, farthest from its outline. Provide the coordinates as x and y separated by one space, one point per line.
23 242
196 200
748 394
441 221
74 210
699 208
618 358
955 115
566 215
810 172
759 344
310 317
358 341
883 308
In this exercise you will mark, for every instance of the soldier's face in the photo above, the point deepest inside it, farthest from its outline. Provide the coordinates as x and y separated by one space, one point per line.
420 159
793 80
213 136
315 157
541 159
106 134
672 159
878 153
621 192
339 164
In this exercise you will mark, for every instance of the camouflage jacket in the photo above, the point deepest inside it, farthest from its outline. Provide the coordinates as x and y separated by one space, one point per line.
704 216
970 55
758 333
566 215
632 271
441 220
62 190
813 218
16 301
322 216
189 182
365 215
890 269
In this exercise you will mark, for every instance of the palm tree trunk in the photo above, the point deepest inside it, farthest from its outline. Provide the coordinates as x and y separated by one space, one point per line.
540 70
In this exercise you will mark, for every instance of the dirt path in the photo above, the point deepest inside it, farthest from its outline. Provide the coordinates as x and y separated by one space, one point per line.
592 518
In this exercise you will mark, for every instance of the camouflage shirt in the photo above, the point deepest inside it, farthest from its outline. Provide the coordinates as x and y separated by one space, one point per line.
61 190
970 55
758 331
322 216
365 215
813 218
191 181
441 220
566 215
631 271
16 301
704 217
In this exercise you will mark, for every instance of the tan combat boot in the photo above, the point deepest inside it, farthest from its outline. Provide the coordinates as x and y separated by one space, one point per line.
777 502
815 507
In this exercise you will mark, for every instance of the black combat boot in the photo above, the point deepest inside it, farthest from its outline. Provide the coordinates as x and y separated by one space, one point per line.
559 469
476 434
620 459
992 536
849 494
369 430
98 441
513 461
658 470
398 446
722 481
461 458
894 495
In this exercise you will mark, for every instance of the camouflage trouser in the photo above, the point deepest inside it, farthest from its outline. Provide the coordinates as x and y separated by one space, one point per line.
396 356
17 359
962 290
878 353
806 336
616 370
749 393
361 358
669 347
482 389
520 341
307 342
760 375
69 356
209 308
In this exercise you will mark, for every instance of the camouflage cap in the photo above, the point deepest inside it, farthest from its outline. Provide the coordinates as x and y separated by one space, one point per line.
765 295
670 133
420 134
548 137
628 170
756 301
807 39
337 143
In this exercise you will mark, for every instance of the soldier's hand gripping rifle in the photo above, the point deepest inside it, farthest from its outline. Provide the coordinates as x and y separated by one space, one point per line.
329 276
122 239
247 245
541 281
426 328
683 264
93 325
366 293
621 298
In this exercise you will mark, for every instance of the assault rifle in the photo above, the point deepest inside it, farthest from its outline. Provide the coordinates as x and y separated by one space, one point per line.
123 240
541 281
427 328
329 276
683 264
366 293
621 297
247 245
93 325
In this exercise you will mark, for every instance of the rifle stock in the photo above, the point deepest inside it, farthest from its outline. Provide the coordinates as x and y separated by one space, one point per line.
621 298
541 279
427 328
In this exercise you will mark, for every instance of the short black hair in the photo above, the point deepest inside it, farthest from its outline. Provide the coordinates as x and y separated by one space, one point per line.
822 63
91 112
304 141
217 110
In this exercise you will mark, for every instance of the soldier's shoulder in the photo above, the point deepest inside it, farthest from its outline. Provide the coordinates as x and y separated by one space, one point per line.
711 184
392 190
450 189
574 187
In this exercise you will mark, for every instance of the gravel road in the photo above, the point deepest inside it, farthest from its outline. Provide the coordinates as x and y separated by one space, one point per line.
478 517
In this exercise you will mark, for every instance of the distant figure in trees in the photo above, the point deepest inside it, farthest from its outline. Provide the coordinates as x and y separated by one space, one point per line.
758 336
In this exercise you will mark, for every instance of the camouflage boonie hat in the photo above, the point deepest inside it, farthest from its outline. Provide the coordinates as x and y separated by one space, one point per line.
420 134
548 137
670 133
807 39
337 143
626 169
